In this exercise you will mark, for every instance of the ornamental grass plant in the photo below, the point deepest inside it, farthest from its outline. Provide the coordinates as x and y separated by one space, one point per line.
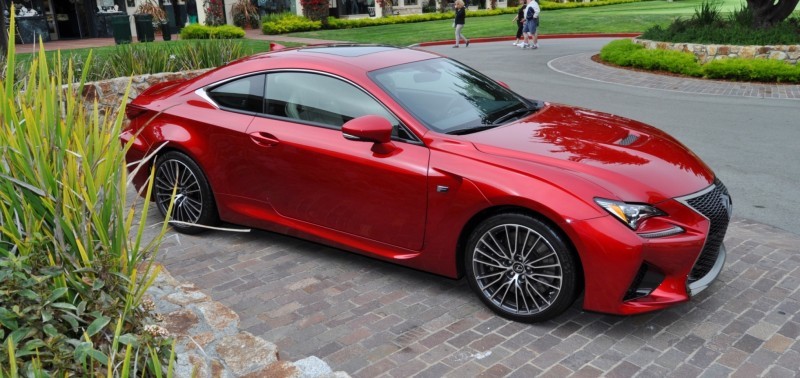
142 58
710 25
74 264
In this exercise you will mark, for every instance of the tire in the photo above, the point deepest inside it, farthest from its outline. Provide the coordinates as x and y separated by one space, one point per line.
194 201
521 268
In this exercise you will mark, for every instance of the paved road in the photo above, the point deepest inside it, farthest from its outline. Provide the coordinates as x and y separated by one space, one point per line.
374 319
751 143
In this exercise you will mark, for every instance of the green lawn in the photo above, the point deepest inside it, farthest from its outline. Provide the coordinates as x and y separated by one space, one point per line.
622 18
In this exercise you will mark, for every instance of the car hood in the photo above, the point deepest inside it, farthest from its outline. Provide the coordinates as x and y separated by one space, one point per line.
636 162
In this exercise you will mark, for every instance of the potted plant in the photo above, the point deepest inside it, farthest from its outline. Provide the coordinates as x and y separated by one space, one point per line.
245 14
149 16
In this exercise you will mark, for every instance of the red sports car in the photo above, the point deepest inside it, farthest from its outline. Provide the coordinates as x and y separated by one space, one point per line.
417 159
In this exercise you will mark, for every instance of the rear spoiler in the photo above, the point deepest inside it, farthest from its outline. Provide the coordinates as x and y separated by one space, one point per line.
155 89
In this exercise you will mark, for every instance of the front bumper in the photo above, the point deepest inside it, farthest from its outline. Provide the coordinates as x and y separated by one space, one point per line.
703 283
628 273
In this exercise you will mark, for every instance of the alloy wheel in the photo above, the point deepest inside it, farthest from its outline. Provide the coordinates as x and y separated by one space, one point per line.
517 269
188 200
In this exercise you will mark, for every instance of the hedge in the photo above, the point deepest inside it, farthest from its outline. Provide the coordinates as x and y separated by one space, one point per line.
197 31
625 53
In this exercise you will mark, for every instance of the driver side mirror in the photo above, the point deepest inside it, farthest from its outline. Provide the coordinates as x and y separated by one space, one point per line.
368 128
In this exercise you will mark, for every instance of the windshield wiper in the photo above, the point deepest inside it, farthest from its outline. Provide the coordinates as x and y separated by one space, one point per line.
470 130
513 113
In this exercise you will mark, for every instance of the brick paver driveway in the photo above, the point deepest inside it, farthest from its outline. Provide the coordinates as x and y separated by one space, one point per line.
371 318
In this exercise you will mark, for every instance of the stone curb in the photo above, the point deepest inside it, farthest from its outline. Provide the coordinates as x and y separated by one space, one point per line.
210 344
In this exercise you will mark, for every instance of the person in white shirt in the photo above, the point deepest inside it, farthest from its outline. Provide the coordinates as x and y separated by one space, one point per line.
530 29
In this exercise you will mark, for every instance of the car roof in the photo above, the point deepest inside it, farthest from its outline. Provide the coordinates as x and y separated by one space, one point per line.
340 57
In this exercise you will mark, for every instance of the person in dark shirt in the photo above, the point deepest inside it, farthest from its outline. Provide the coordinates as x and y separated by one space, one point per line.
458 23
191 11
519 20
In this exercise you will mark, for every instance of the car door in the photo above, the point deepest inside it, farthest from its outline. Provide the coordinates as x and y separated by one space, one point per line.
311 173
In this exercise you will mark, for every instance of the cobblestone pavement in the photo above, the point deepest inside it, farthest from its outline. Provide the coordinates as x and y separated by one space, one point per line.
374 319
371 318
581 65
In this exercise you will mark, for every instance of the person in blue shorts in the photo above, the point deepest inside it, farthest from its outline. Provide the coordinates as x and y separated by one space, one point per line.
531 25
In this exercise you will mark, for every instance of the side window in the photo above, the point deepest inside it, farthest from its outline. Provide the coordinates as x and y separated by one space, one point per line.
242 94
321 99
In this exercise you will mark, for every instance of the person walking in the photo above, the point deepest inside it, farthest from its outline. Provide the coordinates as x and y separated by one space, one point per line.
530 29
519 20
191 11
458 23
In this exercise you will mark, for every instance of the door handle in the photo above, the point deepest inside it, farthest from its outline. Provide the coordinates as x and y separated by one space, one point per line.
264 139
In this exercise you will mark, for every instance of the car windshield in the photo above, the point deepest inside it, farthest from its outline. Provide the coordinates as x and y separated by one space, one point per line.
449 97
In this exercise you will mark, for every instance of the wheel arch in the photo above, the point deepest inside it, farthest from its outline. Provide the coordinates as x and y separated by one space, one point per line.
174 147
487 213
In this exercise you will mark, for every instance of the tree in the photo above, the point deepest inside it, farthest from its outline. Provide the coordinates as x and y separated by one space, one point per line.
767 13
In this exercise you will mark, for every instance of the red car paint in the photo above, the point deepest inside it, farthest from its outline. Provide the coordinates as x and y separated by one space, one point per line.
385 199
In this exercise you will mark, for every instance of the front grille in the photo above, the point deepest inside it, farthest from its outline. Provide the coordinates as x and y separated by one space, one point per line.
715 205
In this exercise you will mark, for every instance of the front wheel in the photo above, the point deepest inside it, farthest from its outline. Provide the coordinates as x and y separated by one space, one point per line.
193 202
521 268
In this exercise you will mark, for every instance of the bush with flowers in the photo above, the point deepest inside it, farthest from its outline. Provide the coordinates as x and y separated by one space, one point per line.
215 12
316 10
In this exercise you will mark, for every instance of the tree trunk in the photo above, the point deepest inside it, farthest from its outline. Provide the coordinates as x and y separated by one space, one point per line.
767 13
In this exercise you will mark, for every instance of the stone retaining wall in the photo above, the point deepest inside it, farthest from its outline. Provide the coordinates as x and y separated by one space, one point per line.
707 53
108 93
210 344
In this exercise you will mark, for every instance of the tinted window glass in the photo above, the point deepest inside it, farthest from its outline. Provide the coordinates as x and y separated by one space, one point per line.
241 94
321 99
446 95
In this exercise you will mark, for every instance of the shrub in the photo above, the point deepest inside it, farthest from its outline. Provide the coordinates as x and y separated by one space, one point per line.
619 52
708 13
215 12
245 14
72 275
288 24
625 53
143 58
764 70
197 31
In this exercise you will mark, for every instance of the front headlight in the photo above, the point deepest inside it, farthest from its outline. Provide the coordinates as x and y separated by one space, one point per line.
629 213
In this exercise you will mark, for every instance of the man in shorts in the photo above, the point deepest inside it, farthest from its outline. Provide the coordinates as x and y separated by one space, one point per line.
531 25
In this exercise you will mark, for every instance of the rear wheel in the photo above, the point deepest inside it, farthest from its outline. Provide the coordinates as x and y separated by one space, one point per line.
193 200
521 268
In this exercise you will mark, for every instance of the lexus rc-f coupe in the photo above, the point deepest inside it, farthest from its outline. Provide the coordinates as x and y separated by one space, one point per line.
417 159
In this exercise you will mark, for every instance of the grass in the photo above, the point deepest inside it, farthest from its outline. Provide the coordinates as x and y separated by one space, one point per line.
622 18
